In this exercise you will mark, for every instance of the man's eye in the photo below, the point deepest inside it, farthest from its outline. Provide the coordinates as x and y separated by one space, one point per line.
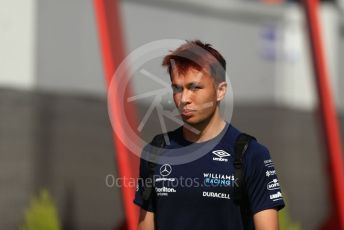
176 89
195 87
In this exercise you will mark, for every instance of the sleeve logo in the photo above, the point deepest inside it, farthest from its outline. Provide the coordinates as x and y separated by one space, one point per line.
272 185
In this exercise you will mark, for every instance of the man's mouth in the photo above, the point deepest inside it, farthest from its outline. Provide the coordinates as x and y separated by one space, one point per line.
187 112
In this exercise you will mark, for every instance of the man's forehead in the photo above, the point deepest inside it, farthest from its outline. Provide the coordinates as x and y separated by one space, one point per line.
191 75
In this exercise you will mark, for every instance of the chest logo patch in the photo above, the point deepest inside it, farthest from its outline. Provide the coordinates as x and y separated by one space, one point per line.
165 170
221 155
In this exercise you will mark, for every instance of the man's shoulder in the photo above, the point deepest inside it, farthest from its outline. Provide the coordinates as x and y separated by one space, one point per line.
255 149
257 152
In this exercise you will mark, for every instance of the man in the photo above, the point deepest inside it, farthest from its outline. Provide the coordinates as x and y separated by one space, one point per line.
197 73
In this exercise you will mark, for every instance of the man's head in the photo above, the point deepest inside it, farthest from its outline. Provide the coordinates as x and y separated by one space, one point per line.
198 77
197 55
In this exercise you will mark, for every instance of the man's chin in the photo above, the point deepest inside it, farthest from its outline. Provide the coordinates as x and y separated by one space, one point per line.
195 122
191 121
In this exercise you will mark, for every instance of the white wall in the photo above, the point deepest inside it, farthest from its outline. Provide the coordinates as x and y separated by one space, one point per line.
68 55
239 41
331 30
17 43
53 45
262 69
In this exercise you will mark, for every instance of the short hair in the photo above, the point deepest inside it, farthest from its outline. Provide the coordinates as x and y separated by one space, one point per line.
198 55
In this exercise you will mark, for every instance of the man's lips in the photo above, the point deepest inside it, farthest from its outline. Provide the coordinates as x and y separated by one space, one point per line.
187 112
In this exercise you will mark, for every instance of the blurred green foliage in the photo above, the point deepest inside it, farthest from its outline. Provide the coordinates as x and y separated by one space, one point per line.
285 222
42 214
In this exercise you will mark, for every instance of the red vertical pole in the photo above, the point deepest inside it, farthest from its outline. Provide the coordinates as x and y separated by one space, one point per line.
112 49
328 112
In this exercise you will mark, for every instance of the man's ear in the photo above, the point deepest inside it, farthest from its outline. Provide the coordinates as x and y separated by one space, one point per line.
221 90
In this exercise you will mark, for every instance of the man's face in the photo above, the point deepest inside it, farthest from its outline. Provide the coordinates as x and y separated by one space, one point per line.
195 95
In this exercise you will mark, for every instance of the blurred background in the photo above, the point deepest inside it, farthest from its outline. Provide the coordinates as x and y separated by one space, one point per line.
55 133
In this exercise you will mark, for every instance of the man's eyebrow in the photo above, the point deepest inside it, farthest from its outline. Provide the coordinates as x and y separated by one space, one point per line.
193 83
175 85
188 85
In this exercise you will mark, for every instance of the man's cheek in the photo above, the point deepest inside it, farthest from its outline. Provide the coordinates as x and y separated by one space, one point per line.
176 101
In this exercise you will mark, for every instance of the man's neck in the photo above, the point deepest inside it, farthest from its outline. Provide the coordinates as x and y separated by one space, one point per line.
207 129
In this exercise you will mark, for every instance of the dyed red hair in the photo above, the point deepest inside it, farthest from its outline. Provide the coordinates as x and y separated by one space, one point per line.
198 55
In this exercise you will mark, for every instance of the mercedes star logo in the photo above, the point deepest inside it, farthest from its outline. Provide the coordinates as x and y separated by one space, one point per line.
165 170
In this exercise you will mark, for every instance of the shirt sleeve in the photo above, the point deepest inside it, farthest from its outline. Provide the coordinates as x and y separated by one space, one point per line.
262 185
143 180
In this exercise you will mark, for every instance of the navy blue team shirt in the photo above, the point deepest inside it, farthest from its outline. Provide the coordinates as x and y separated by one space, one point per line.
199 194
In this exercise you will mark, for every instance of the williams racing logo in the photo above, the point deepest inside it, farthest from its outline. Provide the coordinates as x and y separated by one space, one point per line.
215 179
221 155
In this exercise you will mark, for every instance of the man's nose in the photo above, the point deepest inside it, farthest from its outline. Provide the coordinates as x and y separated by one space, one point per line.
185 97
